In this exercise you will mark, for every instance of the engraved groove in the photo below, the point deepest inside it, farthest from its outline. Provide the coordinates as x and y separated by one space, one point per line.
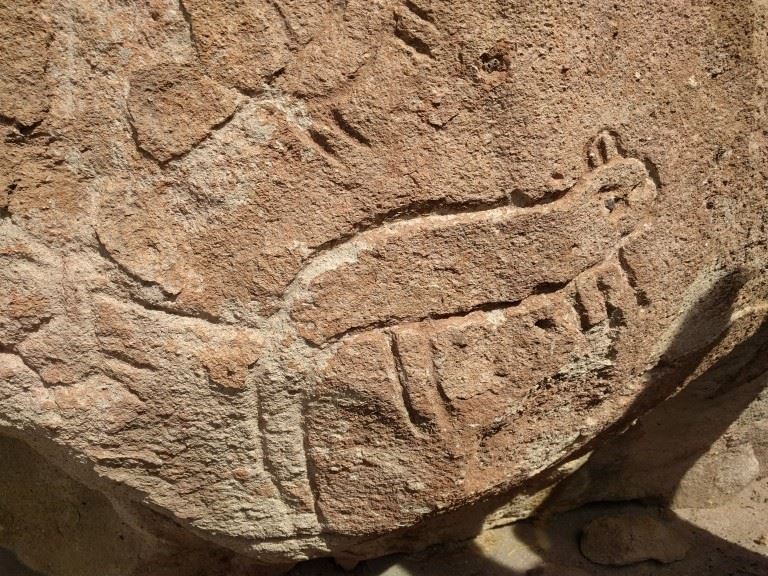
640 295
14 351
146 305
577 303
437 382
348 129
179 155
616 316
541 289
411 40
290 32
198 315
124 358
419 12
323 142
261 424
24 129
310 465
416 419
105 253
404 214
188 19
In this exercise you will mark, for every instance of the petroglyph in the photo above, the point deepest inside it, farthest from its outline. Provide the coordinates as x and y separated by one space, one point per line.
295 276
430 266
447 312
446 308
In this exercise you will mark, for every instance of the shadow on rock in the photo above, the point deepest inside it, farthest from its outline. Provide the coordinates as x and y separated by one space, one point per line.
719 367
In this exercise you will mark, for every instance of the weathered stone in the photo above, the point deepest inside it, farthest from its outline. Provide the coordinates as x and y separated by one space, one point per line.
167 122
633 537
310 278
24 40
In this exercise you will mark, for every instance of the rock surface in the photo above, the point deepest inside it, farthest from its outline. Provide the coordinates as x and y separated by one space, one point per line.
296 277
631 538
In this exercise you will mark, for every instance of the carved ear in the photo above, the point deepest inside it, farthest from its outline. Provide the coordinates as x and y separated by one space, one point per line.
603 148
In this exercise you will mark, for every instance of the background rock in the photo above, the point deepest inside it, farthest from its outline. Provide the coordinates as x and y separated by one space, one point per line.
632 538
282 280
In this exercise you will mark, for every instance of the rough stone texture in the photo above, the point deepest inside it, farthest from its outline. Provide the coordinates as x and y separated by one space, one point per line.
296 277
700 448
58 526
631 538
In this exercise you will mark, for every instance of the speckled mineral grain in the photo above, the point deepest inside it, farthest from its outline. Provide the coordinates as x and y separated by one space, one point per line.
294 277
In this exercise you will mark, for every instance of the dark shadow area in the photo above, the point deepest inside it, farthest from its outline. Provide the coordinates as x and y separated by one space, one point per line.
532 548
10 565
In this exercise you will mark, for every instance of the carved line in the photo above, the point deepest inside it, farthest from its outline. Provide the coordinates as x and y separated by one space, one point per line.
267 455
309 464
105 253
427 211
640 296
613 311
419 12
123 358
188 19
131 301
577 303
179 155
13 351
135 138
24 130
289 31
412 41
153 307
261 425
348 129
437 382
416 419
542 289
405 214
323 143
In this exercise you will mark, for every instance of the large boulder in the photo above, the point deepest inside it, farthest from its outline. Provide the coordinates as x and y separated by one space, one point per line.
311 278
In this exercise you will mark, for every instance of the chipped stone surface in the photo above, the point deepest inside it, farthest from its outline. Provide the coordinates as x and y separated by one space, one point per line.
298 275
